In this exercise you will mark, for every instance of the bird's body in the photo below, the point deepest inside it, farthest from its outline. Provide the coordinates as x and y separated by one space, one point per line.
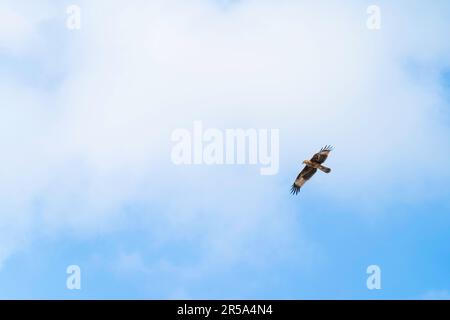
311 167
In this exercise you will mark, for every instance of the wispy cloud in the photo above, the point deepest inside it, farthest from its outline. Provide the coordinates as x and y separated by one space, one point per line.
81 158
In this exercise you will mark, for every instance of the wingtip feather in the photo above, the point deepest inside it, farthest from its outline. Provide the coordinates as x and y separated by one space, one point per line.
295 189
327 148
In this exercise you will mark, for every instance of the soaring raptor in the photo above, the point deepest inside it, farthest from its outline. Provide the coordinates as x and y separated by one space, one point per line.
311 167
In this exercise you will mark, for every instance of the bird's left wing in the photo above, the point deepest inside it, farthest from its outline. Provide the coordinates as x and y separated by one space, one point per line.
322 155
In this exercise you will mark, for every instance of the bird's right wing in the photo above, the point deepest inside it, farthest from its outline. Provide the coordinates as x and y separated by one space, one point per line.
302 177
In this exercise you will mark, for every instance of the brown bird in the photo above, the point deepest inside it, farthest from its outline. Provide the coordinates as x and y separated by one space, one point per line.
311 167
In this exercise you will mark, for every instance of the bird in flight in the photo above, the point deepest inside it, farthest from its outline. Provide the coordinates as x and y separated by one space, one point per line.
311 167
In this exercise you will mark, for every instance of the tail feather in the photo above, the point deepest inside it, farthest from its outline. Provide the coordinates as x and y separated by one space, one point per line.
324 169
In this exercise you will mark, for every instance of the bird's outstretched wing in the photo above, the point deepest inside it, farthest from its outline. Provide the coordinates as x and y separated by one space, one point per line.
302 177
322 155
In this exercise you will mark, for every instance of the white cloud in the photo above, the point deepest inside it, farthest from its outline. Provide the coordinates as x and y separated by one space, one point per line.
20 23
140 69
15 30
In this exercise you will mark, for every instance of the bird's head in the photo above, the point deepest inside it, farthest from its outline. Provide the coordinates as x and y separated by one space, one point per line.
305 161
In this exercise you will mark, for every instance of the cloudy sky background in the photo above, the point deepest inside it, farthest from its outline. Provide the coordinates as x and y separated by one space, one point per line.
86 119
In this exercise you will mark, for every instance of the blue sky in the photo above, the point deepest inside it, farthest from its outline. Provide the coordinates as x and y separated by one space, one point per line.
86 119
